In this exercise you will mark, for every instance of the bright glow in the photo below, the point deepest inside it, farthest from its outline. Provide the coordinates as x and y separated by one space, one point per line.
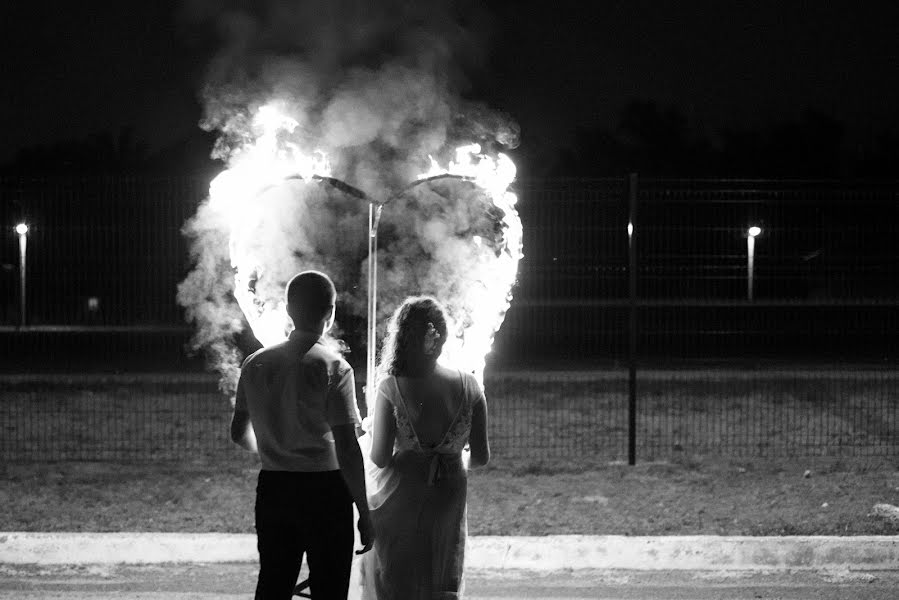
270 156
630 229
21 228
754 231
264 161
472 337
494 175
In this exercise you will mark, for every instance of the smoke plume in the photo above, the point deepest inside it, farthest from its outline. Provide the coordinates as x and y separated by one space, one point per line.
376 87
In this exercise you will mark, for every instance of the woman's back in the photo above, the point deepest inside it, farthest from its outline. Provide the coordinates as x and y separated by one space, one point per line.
433 404
418 500
424 415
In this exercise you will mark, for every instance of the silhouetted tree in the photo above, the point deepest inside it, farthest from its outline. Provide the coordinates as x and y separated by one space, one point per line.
880 159
189 155
107 154
647 139
811 146
658 141
100 153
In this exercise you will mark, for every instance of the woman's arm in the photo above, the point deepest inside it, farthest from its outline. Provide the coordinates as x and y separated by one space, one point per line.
477 440
383 430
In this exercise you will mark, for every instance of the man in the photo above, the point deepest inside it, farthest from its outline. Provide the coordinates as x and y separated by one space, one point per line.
296 407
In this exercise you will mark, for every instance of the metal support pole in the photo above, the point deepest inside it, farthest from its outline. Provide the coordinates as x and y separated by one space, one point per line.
750 256
632 321
374 217
370 342
23 245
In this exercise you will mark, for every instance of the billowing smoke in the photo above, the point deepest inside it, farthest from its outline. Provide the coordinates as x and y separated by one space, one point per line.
375 88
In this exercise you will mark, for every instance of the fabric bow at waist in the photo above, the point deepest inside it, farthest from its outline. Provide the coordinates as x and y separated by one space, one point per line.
439 465
436 465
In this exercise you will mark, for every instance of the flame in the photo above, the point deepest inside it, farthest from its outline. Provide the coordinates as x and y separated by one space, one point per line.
266 161
468 346
269 157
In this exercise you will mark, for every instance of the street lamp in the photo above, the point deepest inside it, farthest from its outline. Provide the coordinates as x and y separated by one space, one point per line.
751 233
22 231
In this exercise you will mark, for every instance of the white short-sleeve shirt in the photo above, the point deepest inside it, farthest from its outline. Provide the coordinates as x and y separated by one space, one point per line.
294 393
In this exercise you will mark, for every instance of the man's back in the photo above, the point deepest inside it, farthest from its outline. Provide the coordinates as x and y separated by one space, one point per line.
296 408
294 393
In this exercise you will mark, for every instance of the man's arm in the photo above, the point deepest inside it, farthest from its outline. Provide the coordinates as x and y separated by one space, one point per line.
349 457
242 432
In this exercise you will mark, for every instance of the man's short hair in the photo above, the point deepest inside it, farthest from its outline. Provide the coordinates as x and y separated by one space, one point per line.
310 296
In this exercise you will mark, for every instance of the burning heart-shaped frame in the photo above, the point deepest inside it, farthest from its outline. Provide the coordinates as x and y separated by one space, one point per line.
453 234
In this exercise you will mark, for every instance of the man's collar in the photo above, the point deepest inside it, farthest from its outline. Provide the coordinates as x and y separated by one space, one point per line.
299 334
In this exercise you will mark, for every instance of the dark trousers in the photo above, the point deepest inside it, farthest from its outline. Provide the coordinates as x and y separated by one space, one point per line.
298 513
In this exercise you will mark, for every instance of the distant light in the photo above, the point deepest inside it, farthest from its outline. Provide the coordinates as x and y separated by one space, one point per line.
630 229
754 231
21 228
93 304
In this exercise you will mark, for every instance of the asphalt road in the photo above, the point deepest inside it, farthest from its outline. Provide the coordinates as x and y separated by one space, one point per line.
237 580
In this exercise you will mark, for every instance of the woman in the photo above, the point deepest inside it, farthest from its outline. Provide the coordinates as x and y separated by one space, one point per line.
424 416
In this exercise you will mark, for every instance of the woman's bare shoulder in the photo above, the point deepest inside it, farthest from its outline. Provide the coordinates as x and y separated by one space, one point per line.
387 386
446 373
449 377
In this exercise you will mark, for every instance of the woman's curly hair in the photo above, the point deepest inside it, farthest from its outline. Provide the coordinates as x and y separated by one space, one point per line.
403 351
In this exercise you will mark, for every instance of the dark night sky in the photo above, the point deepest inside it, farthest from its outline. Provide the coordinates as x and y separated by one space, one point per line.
70 69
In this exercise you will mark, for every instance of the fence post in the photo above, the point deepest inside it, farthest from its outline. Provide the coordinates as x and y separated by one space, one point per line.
632 320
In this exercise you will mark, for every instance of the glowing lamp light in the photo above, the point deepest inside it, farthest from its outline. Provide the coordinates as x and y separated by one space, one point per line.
22 230
751 234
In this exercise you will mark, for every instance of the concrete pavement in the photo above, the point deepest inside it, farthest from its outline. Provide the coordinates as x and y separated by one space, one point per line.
497 553
237 580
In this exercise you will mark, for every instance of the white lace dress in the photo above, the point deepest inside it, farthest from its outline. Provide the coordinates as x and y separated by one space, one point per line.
418 505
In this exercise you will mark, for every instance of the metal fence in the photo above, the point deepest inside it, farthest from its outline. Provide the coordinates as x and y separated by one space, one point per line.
825 272
113 417
806 365
535 415
101 251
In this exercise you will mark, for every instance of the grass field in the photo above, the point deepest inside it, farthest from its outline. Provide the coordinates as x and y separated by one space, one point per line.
719 452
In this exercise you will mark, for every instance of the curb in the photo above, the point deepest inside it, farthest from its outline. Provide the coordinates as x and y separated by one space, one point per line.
540 553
